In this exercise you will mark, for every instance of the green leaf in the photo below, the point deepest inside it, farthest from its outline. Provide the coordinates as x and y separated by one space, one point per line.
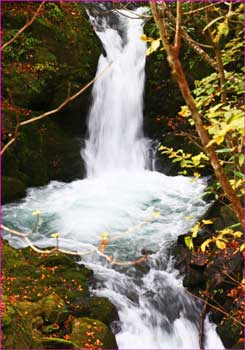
239 174
241 159
223 150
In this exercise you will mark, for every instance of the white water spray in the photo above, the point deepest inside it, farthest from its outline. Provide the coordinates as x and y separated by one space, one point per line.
115 120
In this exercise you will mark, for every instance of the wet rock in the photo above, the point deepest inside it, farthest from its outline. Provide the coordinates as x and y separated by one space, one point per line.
194 278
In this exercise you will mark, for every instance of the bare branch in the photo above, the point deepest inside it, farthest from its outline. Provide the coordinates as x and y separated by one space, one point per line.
28 23
201 8
178 29
192 43
53 111
99 251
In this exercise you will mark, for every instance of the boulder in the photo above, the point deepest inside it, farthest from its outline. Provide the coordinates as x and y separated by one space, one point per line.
12 188
87 332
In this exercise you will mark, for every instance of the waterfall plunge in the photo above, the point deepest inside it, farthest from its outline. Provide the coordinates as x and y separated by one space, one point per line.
115 120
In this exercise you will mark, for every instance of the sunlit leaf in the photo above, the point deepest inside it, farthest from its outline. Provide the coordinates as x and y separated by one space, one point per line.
205 244
189 242
207 222
220 244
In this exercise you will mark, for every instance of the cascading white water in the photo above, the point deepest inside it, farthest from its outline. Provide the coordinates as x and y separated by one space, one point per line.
115 120
155 310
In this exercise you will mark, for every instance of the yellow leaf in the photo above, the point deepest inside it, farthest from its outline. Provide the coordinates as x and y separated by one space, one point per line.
153 46
104 235
195 230
55 235
36 212
220 244
146 38
241 247
205 244
207 222
237 234
196 174
156 214
189 242
184 112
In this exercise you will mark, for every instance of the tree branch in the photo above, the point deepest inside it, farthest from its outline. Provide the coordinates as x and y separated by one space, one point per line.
192 43
28 23
178 29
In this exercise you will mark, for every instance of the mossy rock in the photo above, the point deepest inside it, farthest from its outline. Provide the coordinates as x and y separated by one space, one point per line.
18 333
11 258
57 343
53 309
98 308
12 189
58 259
89 332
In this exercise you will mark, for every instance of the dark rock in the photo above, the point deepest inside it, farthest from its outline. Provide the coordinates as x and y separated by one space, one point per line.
12 189
194 278
229 332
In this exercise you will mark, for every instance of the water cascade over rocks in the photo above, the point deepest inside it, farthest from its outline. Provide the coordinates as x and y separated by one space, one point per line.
120 193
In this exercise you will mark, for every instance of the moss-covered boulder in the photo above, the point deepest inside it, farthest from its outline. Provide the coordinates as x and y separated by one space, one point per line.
44 295
17 332
87 332
12 188
98 308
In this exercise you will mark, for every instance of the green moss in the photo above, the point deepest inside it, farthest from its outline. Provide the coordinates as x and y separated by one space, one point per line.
53 291
102 309
86 330
38 81
57 343
12 188
18 333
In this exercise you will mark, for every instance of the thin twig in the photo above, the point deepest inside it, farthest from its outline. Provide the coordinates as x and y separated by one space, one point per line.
28 23
201 8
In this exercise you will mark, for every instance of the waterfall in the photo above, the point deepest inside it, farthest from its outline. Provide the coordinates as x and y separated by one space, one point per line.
115 120
120 193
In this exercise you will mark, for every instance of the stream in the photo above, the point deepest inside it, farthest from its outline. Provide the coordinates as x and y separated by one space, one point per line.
143 209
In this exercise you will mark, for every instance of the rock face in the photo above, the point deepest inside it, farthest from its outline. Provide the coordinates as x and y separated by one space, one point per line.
59 49
44 299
